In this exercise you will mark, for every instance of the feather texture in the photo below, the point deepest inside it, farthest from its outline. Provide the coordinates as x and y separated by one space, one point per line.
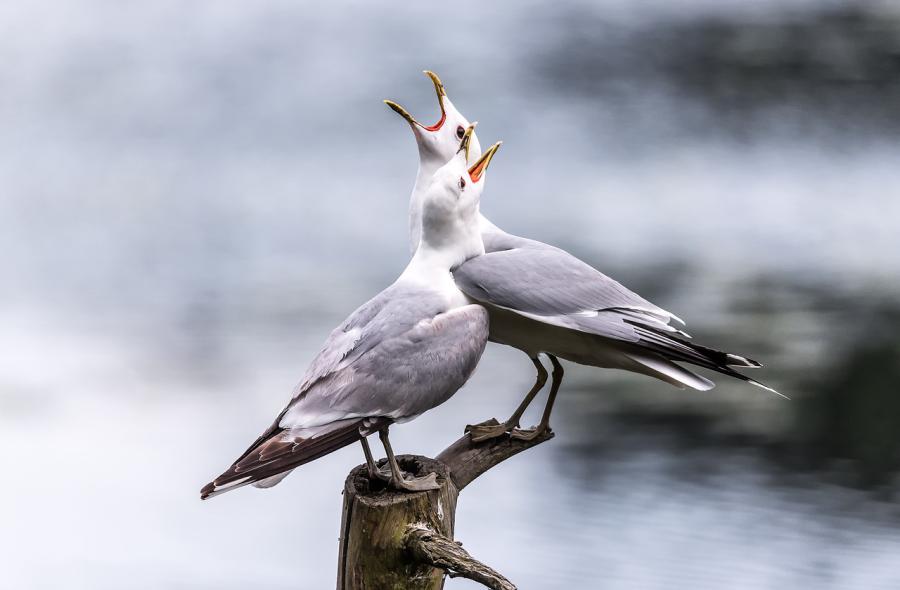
538 284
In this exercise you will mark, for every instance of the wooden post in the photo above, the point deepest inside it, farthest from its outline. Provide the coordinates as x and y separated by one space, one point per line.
392 540
374 527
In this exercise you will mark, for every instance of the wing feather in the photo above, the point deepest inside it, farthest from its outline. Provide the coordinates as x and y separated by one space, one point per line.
406 360
549 281
549 285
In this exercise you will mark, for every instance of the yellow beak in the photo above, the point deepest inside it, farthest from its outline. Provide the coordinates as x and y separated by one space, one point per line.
402 112
441 93
466 141
476 171
438 85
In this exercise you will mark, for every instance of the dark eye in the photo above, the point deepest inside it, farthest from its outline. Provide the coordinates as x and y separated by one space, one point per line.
460 132
462 183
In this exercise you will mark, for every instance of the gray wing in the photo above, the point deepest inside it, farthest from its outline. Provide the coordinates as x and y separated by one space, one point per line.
551 286
391 312
402 375
392 359
542 280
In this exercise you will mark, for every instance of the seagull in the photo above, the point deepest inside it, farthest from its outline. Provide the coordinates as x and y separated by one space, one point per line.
543 300
402 353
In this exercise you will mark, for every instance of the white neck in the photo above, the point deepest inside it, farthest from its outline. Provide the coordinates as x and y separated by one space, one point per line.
466 244
427 168
426 171
430 268
486 226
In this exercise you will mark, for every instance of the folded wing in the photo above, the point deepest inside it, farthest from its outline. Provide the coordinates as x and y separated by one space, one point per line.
544 280
405 358
549 285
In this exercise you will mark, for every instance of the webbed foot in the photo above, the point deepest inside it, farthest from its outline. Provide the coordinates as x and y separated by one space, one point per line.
487 430
416 484
529 433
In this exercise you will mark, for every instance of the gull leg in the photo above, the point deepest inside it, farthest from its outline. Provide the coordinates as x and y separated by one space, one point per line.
397 481
544 424
374 472
491 428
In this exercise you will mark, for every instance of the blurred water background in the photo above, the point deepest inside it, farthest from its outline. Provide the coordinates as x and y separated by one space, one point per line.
192 195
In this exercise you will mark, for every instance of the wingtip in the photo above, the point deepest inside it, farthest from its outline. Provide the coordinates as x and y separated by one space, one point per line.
211 490
676 318
207 491
742 361
767 388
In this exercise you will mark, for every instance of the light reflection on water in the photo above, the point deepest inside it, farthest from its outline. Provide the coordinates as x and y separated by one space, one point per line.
182 222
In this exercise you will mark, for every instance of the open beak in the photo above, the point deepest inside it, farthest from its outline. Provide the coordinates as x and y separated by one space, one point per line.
402 112
466 140
441 93
438 85
476 171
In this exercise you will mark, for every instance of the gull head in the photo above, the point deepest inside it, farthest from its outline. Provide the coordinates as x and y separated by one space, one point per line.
438 143
451 202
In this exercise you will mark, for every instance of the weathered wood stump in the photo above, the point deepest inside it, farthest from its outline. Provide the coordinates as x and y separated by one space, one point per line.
375 524
401 540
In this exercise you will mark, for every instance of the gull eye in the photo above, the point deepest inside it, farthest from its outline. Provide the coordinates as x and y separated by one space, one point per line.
462 183
460 132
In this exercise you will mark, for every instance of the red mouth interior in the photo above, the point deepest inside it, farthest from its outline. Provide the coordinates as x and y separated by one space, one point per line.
439 124
476 171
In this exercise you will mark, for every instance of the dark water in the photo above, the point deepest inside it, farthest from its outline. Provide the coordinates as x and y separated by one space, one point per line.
192 197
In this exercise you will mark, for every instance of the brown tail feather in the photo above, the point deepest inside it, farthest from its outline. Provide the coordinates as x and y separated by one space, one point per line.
272 454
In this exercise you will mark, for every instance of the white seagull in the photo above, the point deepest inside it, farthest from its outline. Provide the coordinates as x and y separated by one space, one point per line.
400 354
542 299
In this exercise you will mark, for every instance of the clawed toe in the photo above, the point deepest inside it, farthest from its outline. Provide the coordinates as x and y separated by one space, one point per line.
417 484
380 475
528 433
486 423
487 430
492 429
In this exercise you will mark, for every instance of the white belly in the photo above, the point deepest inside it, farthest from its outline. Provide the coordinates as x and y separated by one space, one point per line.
533 338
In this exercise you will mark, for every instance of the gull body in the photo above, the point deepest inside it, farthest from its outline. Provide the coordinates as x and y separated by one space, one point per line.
541 299
398 355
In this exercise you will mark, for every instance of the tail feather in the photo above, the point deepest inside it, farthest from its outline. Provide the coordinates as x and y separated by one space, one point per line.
656 366
690 352
653 346
271 481
279 451
675 349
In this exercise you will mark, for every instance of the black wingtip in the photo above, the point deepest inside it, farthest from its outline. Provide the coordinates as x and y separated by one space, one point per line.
737 360
207 490
767 388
